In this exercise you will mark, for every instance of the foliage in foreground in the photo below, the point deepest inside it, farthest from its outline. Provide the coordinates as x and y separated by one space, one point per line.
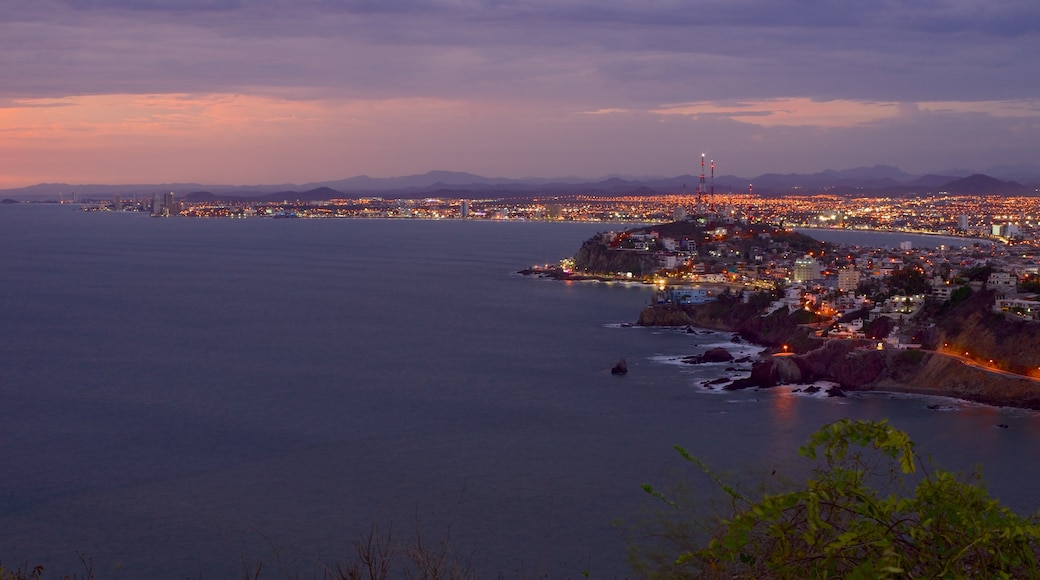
869 510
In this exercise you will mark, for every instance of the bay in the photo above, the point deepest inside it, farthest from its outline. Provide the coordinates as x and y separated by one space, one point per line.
889 239
183 397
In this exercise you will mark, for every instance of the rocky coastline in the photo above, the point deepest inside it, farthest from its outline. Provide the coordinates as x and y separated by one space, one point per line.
967 350
852 365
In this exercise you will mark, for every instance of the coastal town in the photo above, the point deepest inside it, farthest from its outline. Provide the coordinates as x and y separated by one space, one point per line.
1008 218
955 318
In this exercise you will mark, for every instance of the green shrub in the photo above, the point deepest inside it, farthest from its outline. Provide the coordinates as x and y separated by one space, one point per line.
867 511
912 356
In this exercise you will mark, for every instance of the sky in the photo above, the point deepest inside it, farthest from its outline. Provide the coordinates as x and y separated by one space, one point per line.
296 91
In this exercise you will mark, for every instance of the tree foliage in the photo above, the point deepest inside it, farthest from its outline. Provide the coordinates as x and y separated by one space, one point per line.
869 510
960 295
978 273
909 280
1030 284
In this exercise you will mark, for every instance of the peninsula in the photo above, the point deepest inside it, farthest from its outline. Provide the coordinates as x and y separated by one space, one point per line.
959 322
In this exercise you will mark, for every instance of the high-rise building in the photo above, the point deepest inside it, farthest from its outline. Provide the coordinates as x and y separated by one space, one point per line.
806 269
848 279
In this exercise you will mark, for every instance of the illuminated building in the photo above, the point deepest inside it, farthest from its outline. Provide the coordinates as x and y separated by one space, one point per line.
848 279
805 269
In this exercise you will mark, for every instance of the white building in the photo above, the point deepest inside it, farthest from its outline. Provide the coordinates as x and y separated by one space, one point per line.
1024 306
1003 283
806 269
898 308
941 289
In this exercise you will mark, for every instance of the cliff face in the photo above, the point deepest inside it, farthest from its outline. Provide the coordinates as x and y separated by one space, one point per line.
597 257
846 363
731 314
973 327
671 315
849 363
917 372
942 375
857 365
728 317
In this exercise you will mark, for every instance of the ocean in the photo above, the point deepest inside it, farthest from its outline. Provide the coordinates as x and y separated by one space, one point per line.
182 398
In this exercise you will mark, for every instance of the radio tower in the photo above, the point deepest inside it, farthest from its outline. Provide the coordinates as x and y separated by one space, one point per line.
751 202
711 196
700 188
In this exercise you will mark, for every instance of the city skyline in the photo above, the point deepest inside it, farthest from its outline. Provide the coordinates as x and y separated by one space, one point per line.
249 92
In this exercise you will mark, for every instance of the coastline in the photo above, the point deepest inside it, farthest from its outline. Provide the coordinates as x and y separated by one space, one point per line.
852 365
949 237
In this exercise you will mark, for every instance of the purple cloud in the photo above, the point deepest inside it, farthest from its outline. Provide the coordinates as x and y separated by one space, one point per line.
559 58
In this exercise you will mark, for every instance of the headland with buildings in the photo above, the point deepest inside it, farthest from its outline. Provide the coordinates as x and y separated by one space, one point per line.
961 320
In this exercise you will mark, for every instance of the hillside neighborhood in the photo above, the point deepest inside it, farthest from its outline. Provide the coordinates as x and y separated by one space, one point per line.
882 298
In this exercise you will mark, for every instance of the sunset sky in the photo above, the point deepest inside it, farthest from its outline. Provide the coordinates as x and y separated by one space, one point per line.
292 91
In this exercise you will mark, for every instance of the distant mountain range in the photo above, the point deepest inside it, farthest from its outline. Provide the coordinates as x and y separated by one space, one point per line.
876 180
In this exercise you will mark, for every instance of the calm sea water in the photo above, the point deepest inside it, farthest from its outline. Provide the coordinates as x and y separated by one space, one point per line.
883 239
178 396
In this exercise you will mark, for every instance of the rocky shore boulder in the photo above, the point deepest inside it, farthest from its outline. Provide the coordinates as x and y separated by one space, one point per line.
717 354
761 376
845 362
621 368
712 355
776 370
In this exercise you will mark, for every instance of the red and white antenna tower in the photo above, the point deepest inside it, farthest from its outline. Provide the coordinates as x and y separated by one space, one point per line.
751 203
700 187
711 196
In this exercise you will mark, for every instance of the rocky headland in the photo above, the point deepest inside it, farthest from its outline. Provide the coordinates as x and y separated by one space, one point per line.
966 349
795 356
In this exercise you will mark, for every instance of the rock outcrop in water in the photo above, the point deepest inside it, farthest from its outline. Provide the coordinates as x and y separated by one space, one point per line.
712 355
621 368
